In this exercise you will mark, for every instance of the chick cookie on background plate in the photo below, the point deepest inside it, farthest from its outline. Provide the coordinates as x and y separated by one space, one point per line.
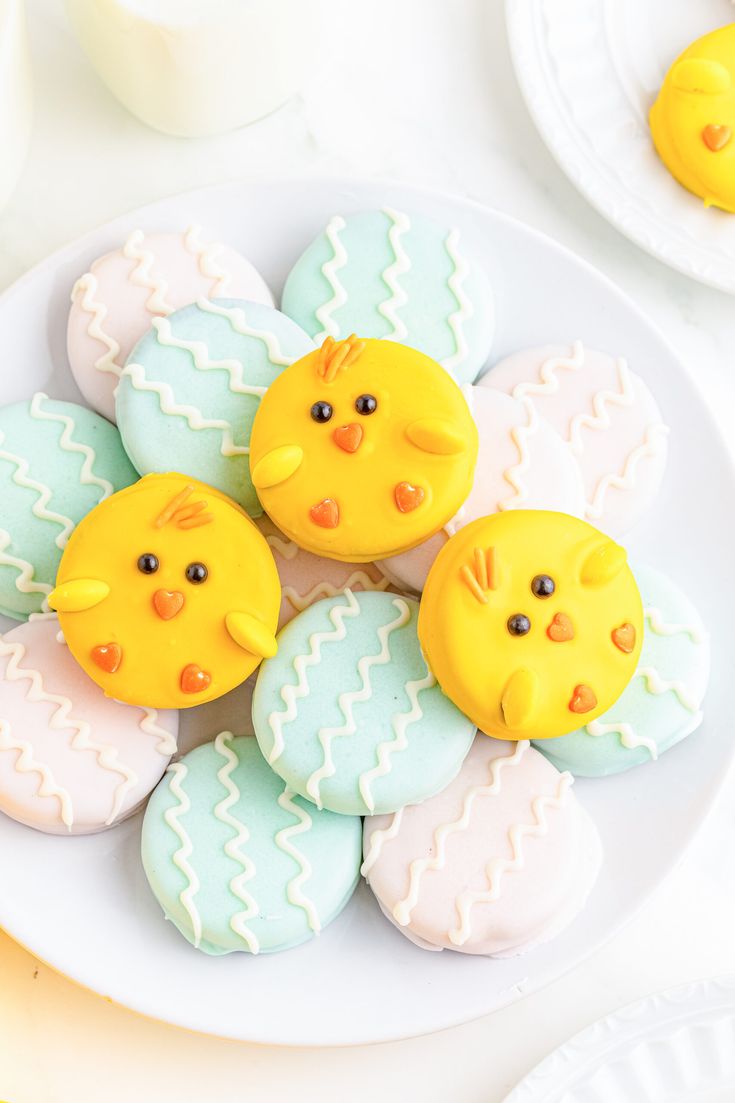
530 621
362 449
168 595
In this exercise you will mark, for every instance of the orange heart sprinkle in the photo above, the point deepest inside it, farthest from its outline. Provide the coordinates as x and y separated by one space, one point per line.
108 656
583 699
168 603
408 496
716 137
348 437
624 637
325 513
194 679
561 628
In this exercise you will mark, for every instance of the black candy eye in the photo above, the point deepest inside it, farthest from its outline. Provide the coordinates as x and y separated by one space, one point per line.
321 412
196 573
543 586
519 624
366 404
148 563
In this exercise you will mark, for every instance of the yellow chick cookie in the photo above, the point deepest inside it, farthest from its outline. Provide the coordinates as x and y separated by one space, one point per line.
167 594
693 119
531 623
362 449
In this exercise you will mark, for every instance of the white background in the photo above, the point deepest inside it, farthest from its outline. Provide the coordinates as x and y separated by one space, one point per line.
423 91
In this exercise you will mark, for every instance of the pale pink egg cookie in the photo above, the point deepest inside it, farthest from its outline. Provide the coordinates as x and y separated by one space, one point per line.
608 417
306 578
148 276
72 761
500 861
522 463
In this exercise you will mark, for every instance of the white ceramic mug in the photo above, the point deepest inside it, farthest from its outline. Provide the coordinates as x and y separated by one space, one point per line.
194 67
15 95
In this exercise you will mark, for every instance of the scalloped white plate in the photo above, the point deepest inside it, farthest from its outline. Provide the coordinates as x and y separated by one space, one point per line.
677 1046
83 904
589 71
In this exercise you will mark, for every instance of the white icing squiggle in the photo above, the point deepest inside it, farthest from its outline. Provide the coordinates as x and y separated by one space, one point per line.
202 362
193 417
21 477
326 589
24 582
652 445
600 419
378 839
420 866
628 736
88 286
497 867
657 685
660 627
520 435
142 275
172 817
346 701
235 315
464 311
549 382
290 694
26 763
87 476
285 547
329 271
294 891
233 850
148 723
400 224
208 266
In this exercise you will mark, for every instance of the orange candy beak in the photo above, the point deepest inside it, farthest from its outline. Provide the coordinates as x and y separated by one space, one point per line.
168 603
348 437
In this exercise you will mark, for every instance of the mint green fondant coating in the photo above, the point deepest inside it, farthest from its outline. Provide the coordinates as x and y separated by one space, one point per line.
345 686
661 709
59 460
422 296
241 899
230 364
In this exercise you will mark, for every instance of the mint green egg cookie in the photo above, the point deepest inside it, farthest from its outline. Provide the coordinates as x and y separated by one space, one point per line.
391 274
191 387
236 860
662 703
57 462
348 713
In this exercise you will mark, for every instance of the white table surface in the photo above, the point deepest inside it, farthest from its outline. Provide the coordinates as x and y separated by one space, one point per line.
422 91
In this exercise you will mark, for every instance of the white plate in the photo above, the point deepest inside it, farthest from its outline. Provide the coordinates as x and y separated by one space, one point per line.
675 1047
83 904
589 71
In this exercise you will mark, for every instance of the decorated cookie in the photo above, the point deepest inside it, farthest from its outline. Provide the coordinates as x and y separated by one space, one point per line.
362 449
306 578
662 702
348 713
151 275
500 861
237 861
531 621
522 464
608 417
189 392
390 274
57 461
71 760
167 594
693 118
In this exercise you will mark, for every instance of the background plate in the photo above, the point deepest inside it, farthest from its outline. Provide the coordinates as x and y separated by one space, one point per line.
589 71
83 904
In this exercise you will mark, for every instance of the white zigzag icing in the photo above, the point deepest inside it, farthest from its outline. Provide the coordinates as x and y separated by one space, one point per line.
39 508
202 362
600 418
24 582
400 264
87 476
651 446
26 763
205 255
400 724
520 435
329 271
285 547
497 867
661 627
549 382
291 694
233 845
283 840
420 866
193 417
235 315
88 286
628 736
326 589
172 816
657 685
346 701
61 719
464 310
148 723
378 839
142 276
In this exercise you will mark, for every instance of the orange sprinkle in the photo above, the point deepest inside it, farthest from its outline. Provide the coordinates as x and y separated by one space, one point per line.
167 513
